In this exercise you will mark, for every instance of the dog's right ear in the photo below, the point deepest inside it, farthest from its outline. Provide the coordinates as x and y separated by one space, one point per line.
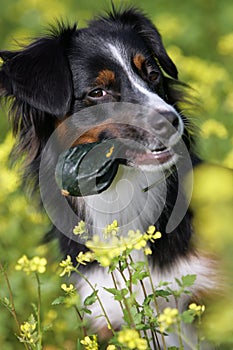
39 74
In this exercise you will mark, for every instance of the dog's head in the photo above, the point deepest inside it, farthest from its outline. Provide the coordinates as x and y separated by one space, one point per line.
117 58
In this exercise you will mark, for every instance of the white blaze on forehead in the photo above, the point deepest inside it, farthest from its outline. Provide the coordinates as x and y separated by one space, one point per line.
153 100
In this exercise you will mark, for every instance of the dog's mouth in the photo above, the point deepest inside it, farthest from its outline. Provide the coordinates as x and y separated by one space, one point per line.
90 168
157 156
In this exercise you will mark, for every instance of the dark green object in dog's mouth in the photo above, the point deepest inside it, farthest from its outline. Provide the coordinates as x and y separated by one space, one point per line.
88 169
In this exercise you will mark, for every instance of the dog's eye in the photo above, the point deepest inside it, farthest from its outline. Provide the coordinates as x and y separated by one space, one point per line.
153 75
97 93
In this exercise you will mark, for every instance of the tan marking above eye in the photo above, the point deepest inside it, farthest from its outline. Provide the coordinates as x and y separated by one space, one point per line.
138 61
105 77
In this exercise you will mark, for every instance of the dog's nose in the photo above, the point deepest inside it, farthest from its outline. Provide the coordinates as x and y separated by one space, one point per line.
165 121
164 125
172 119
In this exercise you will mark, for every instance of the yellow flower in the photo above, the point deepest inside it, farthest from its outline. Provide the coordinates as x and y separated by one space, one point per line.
68 289
131 339
23 264
83 258
167 318
28 331
135 240
67 266
197 309
147 251
80 228
111 347
151 234
90 343
105 252
111 230
36 264
27 328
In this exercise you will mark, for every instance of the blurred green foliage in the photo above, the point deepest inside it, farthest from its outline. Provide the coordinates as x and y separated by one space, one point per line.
199 37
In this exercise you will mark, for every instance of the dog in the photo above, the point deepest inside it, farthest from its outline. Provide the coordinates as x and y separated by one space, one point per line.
118 71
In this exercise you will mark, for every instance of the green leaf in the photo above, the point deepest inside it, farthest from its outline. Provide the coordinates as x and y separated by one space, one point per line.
163 293
59 301
31 319
113 291
34 306
163 284
86 311
148 299
188 280
118 294
179 282
47 327
138 265
137 317
187 316
126 317
139 276
122 293
148 311
91 299
6 302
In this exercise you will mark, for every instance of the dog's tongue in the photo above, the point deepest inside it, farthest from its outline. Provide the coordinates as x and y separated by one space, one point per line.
88 169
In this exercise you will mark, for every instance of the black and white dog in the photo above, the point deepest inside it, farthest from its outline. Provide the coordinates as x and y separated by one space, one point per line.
118 59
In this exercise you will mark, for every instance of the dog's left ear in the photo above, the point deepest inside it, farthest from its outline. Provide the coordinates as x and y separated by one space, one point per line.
39 75
145 28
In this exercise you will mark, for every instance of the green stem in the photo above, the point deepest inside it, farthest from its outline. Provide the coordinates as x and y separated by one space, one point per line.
145 295
179 327
84 330
39 312
115 285
198 333
130 274
12 309
131 293
183 338
98 298
155 302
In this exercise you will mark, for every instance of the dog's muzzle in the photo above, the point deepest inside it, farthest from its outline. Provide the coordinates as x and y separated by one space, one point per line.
91 164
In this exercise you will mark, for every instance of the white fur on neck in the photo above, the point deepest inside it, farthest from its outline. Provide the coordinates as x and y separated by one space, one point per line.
127 202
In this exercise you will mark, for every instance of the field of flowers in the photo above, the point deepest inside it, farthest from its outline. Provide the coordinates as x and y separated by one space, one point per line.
39 308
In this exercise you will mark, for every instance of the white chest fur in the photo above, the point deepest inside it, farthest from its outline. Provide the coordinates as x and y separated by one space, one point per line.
127 201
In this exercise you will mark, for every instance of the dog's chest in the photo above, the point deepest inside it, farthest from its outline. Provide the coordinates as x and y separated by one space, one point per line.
128 201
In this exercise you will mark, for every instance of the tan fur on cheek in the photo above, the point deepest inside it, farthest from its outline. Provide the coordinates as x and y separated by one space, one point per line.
61 128
93 135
